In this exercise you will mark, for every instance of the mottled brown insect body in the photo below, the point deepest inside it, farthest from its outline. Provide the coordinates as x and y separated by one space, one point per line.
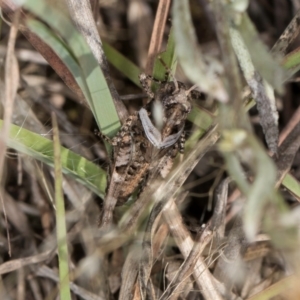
142 150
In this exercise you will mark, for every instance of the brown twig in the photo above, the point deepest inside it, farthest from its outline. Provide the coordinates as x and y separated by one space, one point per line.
157 33
289 34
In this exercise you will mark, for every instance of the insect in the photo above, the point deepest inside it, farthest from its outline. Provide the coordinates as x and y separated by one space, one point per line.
140 149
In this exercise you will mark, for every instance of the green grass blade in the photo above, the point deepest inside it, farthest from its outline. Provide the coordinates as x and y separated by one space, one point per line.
292 59
96 92
61 49
292 184
40 148
168 57
61 229
200 118
291 62
122 64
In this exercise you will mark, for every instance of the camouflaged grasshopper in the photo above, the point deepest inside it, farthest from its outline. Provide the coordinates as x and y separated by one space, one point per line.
140 149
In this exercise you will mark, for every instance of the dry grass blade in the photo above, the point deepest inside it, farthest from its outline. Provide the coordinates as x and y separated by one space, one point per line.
294 120
15 215
21 262
157 33
187 268
23 114
129 273
204 237
289 181
287 152
284 287
11 86
287 37
218 219
146 260
202 275
164 193
262 92
266 64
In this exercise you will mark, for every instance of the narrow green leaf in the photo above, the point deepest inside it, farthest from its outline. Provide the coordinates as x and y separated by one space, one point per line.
292 59
168 57
40 148
291 62
61 49
61 229
121 63
292 184
96 92
200 118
